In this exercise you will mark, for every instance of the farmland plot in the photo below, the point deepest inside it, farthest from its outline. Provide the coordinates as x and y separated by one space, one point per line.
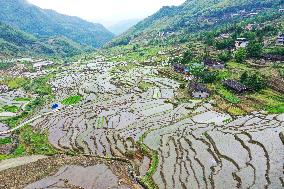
197 146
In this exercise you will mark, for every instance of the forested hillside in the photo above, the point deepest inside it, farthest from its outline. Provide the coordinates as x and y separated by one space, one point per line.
14 42
48 23
195 16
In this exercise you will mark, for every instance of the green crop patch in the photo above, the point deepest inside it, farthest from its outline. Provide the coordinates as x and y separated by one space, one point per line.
71 100
22 99
13 109
4 141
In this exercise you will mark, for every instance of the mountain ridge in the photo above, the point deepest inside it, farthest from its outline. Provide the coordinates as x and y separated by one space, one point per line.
48 23
191 16
14 42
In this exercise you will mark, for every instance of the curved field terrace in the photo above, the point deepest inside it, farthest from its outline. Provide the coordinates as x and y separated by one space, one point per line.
134 115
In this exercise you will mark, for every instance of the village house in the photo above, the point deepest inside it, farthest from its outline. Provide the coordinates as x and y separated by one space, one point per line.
213 64
161 53
280 40
39 65
3 88
252 14
188 77
20 60
223 36
180 68
166 33
198 90
251 27
235 15
241 43
235 86
271 57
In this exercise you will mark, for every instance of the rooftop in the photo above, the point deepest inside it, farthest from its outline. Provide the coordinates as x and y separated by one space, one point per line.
235 85
241 39
198 87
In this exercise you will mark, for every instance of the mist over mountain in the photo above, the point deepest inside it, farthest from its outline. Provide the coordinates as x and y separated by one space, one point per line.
123 26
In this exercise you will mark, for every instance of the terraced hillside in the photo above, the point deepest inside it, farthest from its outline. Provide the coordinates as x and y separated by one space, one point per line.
126 109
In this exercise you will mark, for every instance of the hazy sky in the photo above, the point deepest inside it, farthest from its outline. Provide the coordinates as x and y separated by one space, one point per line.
106 11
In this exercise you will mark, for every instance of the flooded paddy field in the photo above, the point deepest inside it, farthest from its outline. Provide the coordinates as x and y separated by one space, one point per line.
197 145
66 172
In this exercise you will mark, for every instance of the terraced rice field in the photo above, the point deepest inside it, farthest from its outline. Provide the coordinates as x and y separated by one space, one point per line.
197 146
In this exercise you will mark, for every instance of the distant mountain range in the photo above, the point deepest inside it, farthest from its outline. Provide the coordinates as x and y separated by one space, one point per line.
123 26
43 23
190 17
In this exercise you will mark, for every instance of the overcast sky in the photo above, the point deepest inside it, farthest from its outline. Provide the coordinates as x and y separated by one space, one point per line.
106 12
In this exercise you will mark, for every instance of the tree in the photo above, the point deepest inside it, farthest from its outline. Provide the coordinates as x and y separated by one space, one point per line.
244 77
254 49
196 69
241 55
224 44
209 38
255 81
209 77
187 57
225 56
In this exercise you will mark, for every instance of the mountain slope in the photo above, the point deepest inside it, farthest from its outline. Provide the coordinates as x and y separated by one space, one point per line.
193 16
48 23
14 42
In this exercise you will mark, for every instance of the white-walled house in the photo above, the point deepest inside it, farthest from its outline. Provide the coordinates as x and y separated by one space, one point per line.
241 43
198 90
280 40
38 66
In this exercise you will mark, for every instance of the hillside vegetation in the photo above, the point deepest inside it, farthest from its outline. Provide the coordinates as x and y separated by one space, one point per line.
192 17
14 42
48 23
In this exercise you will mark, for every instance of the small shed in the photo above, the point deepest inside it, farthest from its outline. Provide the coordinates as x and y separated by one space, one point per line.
39 65
214 64
235 86
272 57
280 40
180 68
241 43
251 27
198 90
3 88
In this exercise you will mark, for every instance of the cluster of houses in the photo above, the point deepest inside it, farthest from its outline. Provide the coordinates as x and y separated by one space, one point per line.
199 90
41 64
244 14
37 64
243 42
166 33
213 64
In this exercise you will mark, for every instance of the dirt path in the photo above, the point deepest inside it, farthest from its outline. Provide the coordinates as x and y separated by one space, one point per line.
27 122
15 162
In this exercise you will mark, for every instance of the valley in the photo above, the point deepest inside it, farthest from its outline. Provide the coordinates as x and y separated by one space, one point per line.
190 97
171 143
